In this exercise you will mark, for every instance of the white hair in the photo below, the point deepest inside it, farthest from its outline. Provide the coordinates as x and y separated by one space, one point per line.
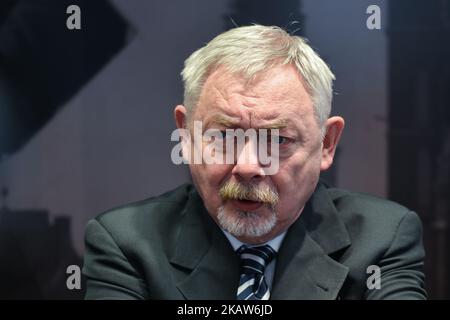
253 49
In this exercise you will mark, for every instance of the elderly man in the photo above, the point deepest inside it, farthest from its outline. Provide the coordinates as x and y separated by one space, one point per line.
242 231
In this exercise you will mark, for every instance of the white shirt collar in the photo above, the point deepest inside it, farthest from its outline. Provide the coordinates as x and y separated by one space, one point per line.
275 243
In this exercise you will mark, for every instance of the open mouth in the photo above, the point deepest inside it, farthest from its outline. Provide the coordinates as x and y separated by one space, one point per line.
246 205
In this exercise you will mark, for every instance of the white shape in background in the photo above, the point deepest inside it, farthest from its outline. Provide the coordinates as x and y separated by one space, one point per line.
374 20
374 280
74 280
74 20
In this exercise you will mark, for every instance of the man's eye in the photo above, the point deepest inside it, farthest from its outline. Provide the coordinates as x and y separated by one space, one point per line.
281 140
223 134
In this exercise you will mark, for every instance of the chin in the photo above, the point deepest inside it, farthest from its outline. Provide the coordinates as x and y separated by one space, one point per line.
248 224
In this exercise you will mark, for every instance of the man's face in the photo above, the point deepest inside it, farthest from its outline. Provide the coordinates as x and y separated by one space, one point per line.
240 197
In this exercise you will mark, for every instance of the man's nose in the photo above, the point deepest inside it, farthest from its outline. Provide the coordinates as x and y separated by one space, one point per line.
248 172
248 167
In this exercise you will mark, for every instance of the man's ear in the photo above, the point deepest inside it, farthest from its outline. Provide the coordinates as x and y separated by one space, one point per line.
334 128
180 113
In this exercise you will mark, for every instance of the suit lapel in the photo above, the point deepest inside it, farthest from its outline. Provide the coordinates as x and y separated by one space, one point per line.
203 249
304 269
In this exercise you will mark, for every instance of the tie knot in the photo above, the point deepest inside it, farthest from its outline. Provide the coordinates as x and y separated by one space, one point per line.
255 259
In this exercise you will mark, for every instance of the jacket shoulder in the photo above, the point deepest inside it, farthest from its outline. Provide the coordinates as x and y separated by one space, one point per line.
370 219
170 198
373 223
385 234
153 219
366 205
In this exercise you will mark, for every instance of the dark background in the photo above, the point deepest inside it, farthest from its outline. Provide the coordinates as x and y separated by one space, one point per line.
86 115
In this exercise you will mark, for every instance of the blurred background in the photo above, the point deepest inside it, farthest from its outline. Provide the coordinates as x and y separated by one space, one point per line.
86 115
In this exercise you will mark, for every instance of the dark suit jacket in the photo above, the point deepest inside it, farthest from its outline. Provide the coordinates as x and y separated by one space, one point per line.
168 247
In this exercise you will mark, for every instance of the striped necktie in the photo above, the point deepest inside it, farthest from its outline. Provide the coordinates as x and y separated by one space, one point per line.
252 284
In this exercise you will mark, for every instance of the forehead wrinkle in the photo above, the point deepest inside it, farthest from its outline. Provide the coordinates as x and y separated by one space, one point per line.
219 94
265 120
255 104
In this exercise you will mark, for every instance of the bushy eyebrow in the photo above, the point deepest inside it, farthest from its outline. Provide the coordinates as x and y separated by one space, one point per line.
276 124
232 123
225 121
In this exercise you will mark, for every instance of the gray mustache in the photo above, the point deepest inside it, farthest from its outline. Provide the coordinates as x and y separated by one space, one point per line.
238 191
